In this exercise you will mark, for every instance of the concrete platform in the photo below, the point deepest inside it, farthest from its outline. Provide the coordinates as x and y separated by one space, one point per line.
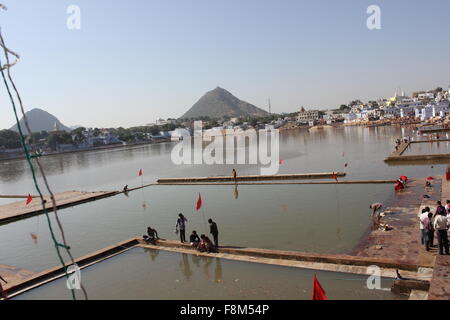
20 210
403 241
14 275
440 283
322 175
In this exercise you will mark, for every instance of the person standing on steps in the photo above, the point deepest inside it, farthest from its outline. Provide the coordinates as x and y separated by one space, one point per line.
181 227
214 231
440 224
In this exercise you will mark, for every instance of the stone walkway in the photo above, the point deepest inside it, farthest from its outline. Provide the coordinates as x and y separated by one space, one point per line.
440 284
20 210
403 241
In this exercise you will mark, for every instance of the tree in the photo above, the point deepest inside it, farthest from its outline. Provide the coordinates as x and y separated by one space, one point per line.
154 130
55 139
9 139
78 134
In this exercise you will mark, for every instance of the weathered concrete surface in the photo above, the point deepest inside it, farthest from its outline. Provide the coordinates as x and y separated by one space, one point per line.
14 275
321 175
397 155
329 262
418 295
20 210
444 156
403 242
276 183
440 283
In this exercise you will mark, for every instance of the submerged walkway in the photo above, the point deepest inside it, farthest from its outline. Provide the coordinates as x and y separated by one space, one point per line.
20 210
296 176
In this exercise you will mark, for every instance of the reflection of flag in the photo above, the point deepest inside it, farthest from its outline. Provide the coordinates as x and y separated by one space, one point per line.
29 199
281 161
140 173
199 202
318 292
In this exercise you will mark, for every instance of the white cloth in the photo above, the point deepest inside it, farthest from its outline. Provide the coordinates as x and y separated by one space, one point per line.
440 222
422 218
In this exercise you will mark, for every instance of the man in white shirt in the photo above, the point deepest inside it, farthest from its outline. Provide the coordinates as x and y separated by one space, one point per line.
423 220
440 224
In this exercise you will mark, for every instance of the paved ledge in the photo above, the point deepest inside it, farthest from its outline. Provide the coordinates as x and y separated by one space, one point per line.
321 175
19 210
300 256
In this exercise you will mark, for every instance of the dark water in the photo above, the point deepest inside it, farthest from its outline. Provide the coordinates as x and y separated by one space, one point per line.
151 274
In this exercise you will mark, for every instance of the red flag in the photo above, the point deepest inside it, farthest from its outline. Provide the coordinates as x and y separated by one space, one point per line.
335 177
318 292
140 173
199 202
29 199
281 161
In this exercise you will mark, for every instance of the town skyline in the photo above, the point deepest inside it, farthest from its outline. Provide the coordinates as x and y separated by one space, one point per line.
399 91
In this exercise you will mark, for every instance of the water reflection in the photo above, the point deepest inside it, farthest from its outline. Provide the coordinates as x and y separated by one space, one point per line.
12 170
185 266
218 271
201 262
236 192
153 253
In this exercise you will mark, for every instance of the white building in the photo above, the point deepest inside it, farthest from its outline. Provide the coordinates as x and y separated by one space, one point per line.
179 134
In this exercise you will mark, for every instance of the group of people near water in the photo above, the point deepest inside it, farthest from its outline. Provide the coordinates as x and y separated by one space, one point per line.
435 224
201 243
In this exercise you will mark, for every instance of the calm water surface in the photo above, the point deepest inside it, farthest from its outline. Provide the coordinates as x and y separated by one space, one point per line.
199 278
315 218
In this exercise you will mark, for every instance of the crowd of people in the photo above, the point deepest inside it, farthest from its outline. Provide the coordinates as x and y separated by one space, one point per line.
435 224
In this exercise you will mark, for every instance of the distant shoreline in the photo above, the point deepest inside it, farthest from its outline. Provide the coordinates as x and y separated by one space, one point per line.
22 157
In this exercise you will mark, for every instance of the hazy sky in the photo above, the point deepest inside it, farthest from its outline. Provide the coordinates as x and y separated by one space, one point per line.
135 60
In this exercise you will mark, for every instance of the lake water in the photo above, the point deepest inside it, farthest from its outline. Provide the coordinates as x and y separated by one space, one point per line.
314 218
428 148
137 274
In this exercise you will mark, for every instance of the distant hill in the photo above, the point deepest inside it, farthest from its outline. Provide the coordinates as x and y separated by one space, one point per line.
40 120
220 103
